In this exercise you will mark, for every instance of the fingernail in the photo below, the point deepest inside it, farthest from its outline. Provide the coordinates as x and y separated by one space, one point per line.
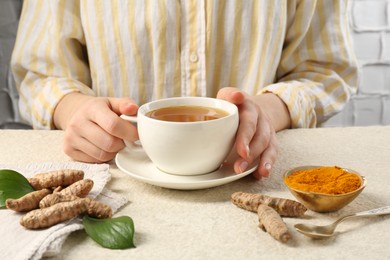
268 166
243 166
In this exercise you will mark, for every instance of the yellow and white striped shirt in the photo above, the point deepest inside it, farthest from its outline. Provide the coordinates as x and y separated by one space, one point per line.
150 49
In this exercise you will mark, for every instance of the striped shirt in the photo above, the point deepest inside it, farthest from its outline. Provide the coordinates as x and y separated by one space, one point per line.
150 49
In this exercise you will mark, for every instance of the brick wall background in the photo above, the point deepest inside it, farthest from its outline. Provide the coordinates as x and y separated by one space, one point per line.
9 14
370 29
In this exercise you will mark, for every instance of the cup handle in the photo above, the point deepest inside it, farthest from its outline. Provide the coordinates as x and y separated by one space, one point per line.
132 119
136 146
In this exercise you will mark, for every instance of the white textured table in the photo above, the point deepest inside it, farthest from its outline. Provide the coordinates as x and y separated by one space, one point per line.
203 224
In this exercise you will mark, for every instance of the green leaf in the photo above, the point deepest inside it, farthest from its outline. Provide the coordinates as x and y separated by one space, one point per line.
12 185
113 233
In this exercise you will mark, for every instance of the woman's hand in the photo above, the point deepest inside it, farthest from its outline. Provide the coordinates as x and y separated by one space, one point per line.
94 132
260 117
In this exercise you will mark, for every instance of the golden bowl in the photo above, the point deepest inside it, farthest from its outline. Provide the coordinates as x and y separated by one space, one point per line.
320 202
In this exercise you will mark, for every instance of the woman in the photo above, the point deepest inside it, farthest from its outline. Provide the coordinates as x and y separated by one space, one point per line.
80 64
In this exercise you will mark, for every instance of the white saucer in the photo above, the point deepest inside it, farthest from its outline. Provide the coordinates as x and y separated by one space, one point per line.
139 166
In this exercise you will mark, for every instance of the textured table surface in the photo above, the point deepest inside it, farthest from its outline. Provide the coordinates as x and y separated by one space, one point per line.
204 224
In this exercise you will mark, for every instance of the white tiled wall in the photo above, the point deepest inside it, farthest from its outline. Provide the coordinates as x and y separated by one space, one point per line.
370 28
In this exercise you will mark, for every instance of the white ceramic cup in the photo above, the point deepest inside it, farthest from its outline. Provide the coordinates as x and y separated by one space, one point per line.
186 148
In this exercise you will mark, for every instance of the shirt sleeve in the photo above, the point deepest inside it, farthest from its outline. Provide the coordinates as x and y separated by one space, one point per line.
317 73
49 59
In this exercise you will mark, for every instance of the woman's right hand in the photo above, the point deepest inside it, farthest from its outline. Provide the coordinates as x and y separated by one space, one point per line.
94 132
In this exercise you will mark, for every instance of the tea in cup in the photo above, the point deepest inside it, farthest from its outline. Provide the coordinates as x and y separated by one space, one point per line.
186 135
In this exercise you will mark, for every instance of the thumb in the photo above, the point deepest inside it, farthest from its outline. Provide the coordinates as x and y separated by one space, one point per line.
124 106
232 95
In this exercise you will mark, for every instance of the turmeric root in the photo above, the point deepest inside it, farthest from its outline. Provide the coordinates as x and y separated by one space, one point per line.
62 211
55 198
95 208
52 179
46 217
80 188
28 202
270 221
98 209
284 207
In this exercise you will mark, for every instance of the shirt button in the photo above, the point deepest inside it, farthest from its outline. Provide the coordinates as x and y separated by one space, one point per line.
194 57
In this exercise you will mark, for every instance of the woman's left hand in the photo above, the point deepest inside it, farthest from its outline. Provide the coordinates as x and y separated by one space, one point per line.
256 135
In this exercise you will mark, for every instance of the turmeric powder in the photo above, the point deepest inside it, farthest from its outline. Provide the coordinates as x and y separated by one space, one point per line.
28 202
285 207
57 178
270 221
326 179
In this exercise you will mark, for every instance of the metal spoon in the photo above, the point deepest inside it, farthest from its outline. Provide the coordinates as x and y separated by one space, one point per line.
314 231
